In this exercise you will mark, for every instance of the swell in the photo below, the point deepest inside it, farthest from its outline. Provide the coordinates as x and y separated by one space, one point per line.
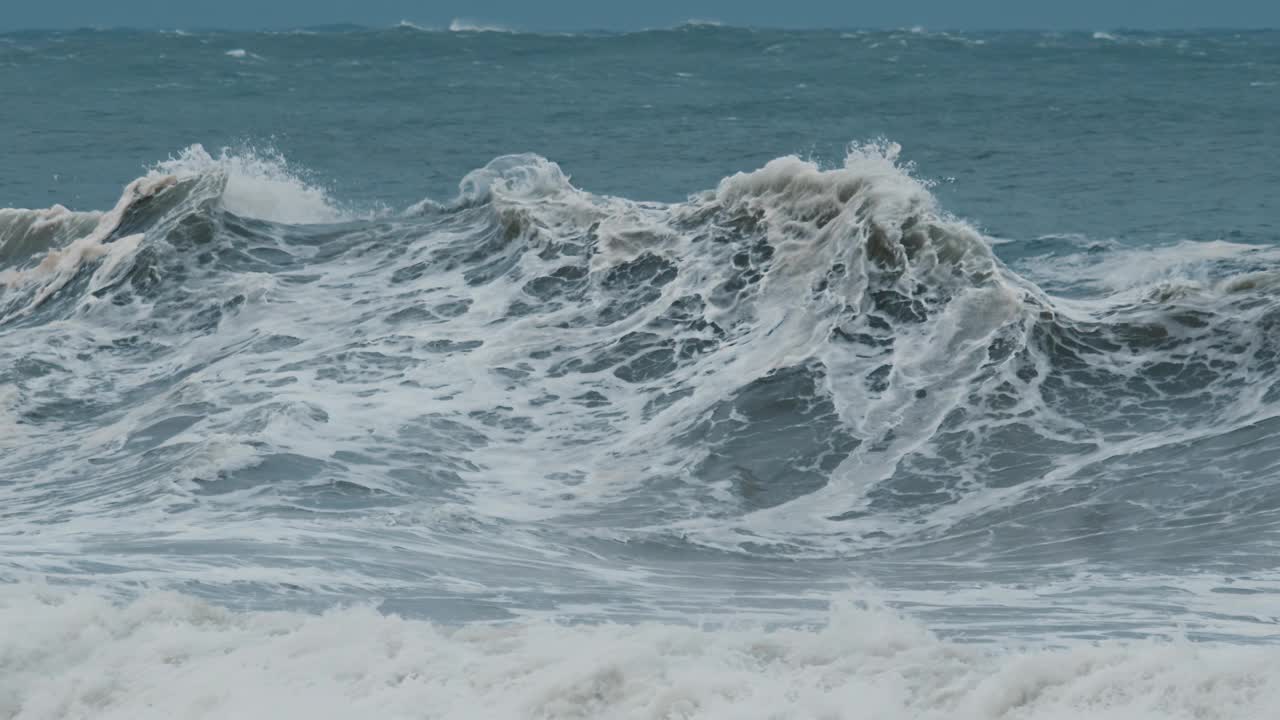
802 361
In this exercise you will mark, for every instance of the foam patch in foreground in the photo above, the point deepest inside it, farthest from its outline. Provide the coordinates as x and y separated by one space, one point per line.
170 656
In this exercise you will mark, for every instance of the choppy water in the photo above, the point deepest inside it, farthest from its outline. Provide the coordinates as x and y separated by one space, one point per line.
981 420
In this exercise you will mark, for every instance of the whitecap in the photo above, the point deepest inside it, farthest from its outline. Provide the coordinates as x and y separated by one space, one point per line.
259 184
472 26
410 25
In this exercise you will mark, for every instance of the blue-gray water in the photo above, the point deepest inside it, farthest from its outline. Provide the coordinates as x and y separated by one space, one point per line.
849 347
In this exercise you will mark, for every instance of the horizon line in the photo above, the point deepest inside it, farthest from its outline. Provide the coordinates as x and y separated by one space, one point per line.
477 27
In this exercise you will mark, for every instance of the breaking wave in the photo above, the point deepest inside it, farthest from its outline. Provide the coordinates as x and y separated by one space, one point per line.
802 365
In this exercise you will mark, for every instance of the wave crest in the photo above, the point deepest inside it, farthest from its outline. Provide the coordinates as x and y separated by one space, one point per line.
257 184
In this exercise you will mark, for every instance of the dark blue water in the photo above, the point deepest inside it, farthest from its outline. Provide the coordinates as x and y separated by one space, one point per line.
978 333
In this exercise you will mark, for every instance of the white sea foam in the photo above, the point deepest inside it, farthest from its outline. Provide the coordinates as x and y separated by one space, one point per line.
259 184
166 656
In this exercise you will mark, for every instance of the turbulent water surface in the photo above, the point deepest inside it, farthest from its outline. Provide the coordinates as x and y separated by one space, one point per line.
975 417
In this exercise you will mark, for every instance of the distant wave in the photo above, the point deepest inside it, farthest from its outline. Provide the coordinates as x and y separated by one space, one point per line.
458 25
242 54
409 25
473 26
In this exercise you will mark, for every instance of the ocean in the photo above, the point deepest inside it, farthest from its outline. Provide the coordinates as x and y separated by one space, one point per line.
701 372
